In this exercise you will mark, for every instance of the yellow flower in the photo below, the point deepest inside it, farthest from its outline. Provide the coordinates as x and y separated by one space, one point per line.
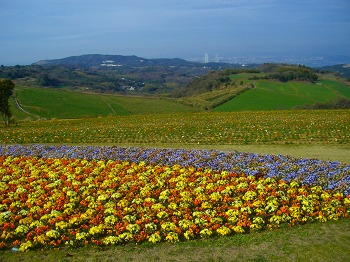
111 240
347 201
129 218
216 196
185 223
206 205
154 238
41 239
125 236
81 236
110 220
95 230
275 220
151 227
21 230
164 195
172 206
61 225
102 197
53 234
223 231
162 214
168 226
157 206
172 237
25 246
205 233
249 195
133 228
238 229
188 235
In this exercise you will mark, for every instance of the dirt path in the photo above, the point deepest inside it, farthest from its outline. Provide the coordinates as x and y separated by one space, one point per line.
18 105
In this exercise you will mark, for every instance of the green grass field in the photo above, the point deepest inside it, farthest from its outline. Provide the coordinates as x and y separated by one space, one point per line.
61 103
275 95
312 242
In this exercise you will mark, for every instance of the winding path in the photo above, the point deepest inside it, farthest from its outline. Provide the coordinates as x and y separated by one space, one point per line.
18 105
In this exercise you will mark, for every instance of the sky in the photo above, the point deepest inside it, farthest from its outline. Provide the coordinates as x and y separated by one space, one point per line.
33 30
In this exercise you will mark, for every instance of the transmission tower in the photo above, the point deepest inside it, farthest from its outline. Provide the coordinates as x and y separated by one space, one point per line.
206 58
216 58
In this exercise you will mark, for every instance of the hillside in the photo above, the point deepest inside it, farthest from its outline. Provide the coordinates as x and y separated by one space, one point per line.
272 95
223 90
98 60
267 87
71 91
48 103
111 73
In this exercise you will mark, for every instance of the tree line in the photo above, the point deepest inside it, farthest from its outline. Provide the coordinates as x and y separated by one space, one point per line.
221 78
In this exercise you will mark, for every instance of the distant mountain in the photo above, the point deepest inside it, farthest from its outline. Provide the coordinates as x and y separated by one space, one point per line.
91 60
97 60
112 73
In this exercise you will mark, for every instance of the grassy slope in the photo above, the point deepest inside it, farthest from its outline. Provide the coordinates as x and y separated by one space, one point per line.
336 86
275 95
53 103
267 95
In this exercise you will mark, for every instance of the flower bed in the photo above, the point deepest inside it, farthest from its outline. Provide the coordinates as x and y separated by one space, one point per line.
328 175
52 196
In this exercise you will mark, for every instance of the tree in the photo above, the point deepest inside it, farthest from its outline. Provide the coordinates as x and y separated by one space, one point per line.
6 90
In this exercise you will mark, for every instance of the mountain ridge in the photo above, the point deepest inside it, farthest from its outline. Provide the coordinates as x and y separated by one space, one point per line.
99 60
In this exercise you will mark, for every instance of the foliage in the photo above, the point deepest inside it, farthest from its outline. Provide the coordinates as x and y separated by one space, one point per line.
210 82
285 72
55 202
300 73
6 90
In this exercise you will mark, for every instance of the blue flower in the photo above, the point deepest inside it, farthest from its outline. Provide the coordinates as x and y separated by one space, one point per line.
329 175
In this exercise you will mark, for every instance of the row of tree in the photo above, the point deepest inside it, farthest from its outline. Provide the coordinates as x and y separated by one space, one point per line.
288 73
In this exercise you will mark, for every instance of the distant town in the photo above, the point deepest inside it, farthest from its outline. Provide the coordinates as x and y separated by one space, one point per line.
312 60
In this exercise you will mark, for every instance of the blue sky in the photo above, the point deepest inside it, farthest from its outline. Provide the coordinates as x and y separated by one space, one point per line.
48 29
